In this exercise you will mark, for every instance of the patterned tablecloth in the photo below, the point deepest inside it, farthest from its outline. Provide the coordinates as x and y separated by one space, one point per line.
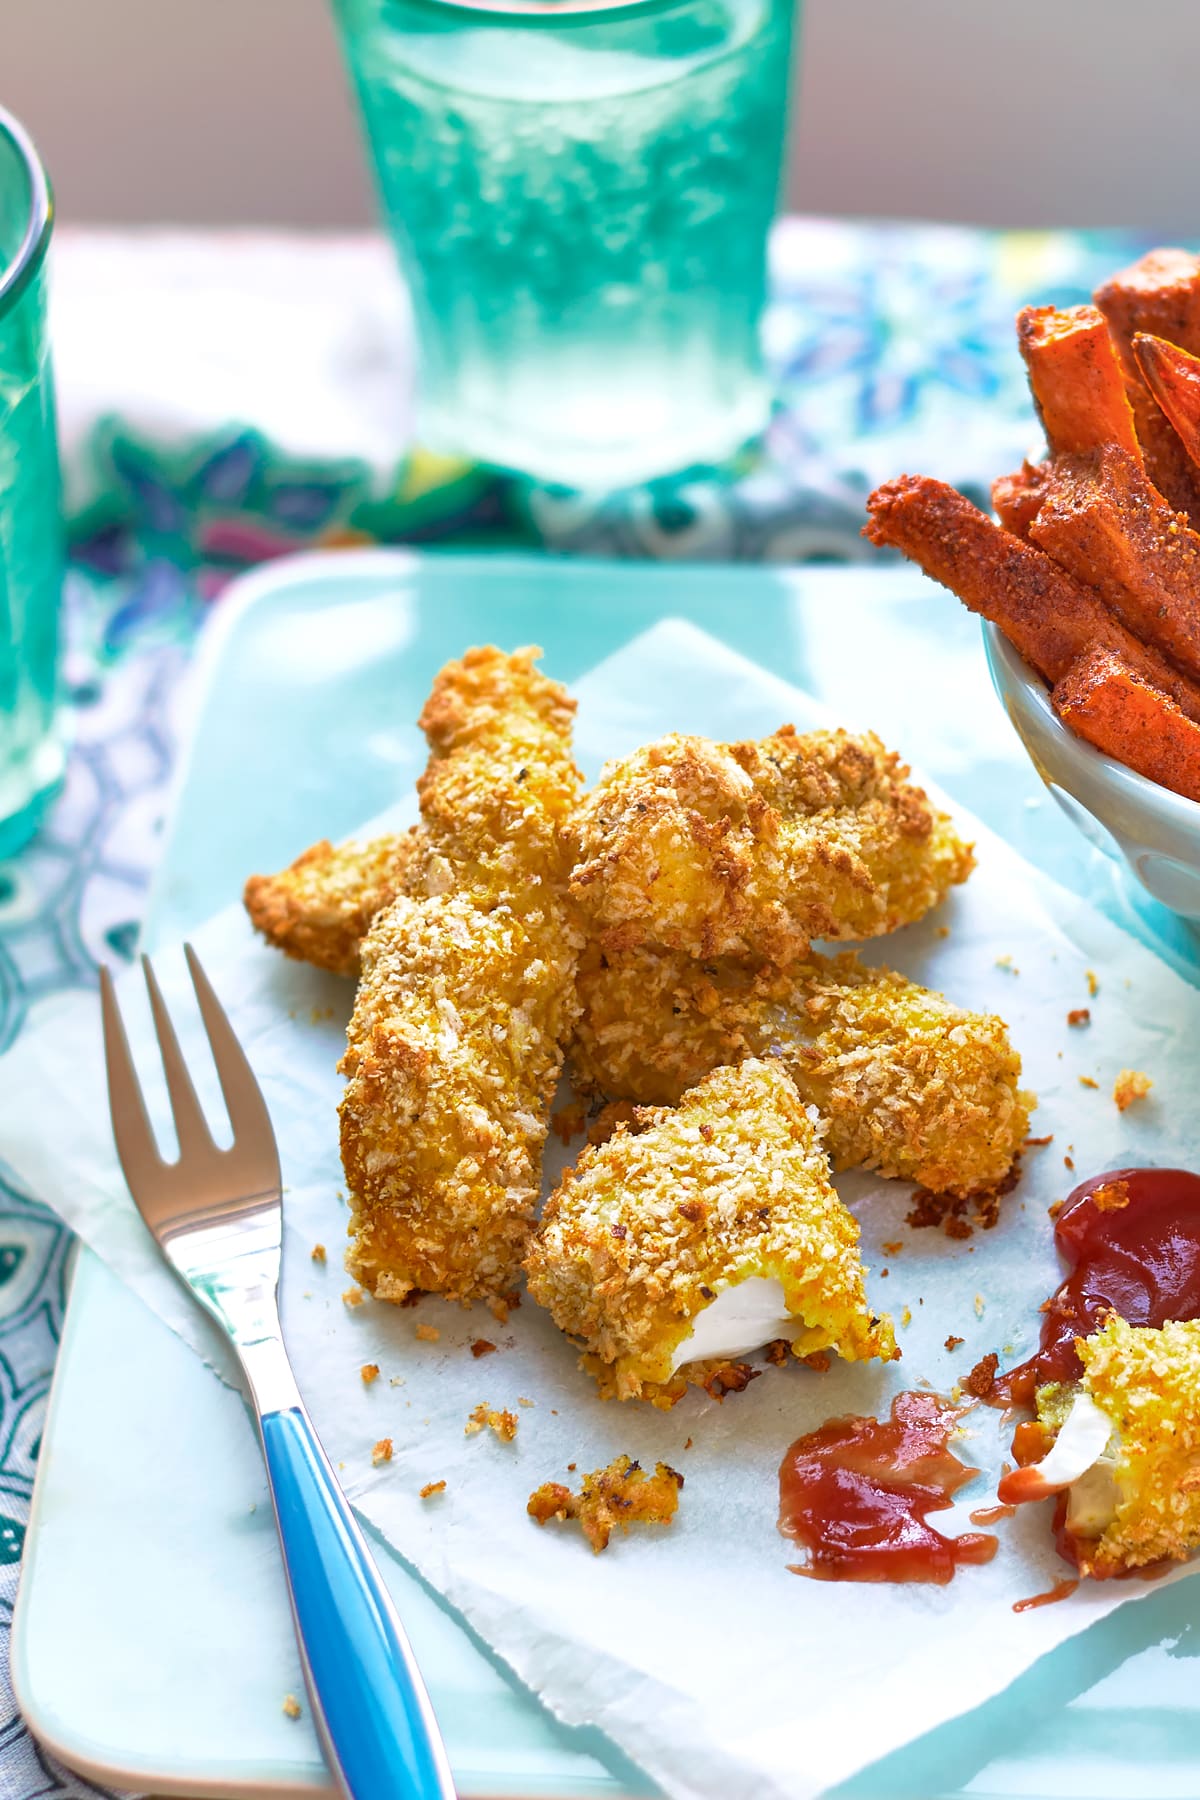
227 399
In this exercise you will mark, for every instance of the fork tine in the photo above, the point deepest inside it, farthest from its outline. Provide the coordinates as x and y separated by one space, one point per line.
137 1150
243 1097
191 1127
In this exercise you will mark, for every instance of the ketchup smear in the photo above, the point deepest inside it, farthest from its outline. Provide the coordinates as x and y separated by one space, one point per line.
1132 1240
855 1493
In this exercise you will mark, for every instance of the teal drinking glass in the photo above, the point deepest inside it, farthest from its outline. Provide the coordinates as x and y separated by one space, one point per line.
580 197
31 550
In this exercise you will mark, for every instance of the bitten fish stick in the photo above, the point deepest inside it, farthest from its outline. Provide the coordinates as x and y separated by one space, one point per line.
1048 616
1173 377
1105 523
1106 702
642 1242
1076 379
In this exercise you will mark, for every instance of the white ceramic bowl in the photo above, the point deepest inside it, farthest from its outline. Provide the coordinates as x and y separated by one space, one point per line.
1154 832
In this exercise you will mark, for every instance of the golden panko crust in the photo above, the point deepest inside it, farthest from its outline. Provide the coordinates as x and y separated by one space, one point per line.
904 1081
650 1226
320 907
500 787
1148 1383
467 996
622 1494
753 849
454 1052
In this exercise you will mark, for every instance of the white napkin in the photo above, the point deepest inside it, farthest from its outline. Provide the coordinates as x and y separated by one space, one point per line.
694 1648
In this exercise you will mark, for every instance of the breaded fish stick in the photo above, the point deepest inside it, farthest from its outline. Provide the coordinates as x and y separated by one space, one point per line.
320 908
1124 1449
1103 522
1076 379
1159 294
709 1231
1173 377
1104 701
454 1052
1048 616
904 1081
467 996
755 848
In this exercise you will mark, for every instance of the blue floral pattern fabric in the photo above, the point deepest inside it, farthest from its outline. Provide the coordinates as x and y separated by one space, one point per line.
891 348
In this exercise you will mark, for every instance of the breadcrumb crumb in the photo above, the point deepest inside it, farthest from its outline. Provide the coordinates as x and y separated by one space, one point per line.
1087 1082
353 1296
291 1706
523 1401
382 1452
1093 986
428 1334
369 1373
1079 1015
1131 1085
482 1347
622 1494
982 1379
953 1342
318 1253
431 1488
568 1121
980 1303
504 1424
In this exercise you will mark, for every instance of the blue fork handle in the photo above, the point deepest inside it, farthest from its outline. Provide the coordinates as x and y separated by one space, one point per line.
373 1713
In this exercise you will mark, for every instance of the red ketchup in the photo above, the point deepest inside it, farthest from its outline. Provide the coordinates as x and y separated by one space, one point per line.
855 1494
1132 1241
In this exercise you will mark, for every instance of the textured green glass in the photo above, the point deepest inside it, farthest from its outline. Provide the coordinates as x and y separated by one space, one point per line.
580 200
31 557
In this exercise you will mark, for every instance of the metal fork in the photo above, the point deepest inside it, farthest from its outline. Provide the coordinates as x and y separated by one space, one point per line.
217 1216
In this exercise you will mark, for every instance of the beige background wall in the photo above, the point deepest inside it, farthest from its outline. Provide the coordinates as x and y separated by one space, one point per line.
1001 111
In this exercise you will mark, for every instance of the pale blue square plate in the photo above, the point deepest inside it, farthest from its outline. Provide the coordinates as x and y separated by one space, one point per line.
152 1644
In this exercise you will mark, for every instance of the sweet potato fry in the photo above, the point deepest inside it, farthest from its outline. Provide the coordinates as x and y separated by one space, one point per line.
1108 703
1017 497
1103 522
1160 294
1173 377
1076 379
1046 614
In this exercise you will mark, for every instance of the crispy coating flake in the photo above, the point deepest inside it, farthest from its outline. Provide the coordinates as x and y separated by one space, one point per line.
622 1494
648 1228
1148 1382
320 908
904 1081
504 1424
1130 1086
467 996
755 848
